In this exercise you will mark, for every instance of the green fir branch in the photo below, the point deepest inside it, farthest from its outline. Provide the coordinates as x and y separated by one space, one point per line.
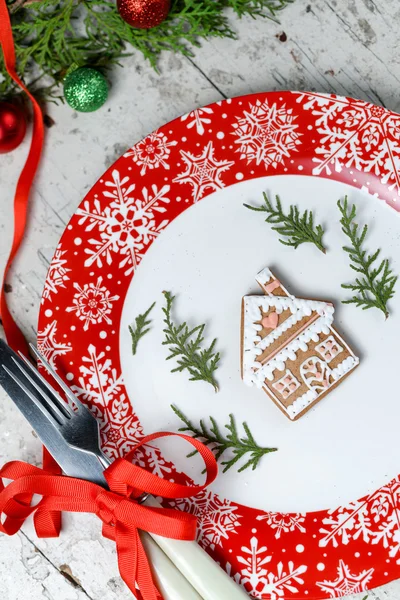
296 228
50 35
141 328
185 346
258 8
374 287
239 446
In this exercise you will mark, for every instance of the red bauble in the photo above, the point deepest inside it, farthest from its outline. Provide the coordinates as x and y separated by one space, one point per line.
143 14
12 126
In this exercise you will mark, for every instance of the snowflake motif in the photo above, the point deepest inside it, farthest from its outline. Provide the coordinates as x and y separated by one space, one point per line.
92 303
217 518
101 387
266 134
346 583
48 345
197 118
355 134
283 522
375 519
203 172
57 274
261 582
126 226
150 458
152 152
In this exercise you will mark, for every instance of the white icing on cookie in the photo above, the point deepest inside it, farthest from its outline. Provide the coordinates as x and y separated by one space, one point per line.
317 376
253 372
264 276
349 363
301 403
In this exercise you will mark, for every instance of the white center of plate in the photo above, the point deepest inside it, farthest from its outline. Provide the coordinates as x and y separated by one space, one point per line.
345 447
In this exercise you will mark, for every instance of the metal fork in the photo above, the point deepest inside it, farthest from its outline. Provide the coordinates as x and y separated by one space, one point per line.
78 432
77 425
71 433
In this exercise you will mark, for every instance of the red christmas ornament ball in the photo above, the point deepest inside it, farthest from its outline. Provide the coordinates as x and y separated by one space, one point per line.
143 14
12 126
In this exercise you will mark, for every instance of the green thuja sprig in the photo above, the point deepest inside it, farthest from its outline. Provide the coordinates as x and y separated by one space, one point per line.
50 35
295 227
374 286
239 446
185 346
141 328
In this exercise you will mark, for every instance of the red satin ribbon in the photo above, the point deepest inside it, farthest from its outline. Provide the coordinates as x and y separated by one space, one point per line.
14 335
121 515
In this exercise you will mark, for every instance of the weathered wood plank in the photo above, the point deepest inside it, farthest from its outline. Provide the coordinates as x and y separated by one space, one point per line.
343 46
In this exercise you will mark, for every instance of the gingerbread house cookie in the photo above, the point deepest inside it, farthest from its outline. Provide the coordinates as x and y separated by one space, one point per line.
290 349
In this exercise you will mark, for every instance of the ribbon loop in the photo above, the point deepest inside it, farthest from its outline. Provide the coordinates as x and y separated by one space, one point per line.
121 514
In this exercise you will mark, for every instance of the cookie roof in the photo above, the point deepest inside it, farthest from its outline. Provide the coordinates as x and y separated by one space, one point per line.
320 319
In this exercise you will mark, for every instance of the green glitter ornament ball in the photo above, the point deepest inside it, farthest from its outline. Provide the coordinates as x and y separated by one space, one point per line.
85 89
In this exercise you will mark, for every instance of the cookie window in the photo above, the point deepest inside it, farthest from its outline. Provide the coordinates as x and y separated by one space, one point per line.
328 349
286 385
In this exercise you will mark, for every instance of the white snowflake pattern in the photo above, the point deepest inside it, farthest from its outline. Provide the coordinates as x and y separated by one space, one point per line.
203 171
126 226
92 303
266 134
263 583
152 152
101 386
150 458
217 518
48 345
197 118
57 274
375 519
355 134
346 583
283 523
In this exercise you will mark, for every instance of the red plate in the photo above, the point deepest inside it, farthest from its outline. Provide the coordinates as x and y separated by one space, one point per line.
323 554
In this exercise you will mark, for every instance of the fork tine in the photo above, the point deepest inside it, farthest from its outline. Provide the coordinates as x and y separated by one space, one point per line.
67 391
40 406
55 399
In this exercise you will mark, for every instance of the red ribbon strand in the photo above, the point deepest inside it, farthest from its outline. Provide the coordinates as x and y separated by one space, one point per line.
13 334
122 516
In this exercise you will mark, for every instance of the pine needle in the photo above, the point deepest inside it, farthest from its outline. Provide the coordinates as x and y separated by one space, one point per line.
374 287
185 345
50 35
297 229
239 446
141 328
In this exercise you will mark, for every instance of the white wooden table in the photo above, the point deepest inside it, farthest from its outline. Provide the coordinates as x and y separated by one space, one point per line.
348 47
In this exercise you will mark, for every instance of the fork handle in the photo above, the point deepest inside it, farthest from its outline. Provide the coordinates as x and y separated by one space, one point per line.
104 460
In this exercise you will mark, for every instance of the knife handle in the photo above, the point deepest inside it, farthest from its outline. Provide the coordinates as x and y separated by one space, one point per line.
169 580
200 570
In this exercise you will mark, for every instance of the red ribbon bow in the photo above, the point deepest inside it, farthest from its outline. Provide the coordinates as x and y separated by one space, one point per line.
121 515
